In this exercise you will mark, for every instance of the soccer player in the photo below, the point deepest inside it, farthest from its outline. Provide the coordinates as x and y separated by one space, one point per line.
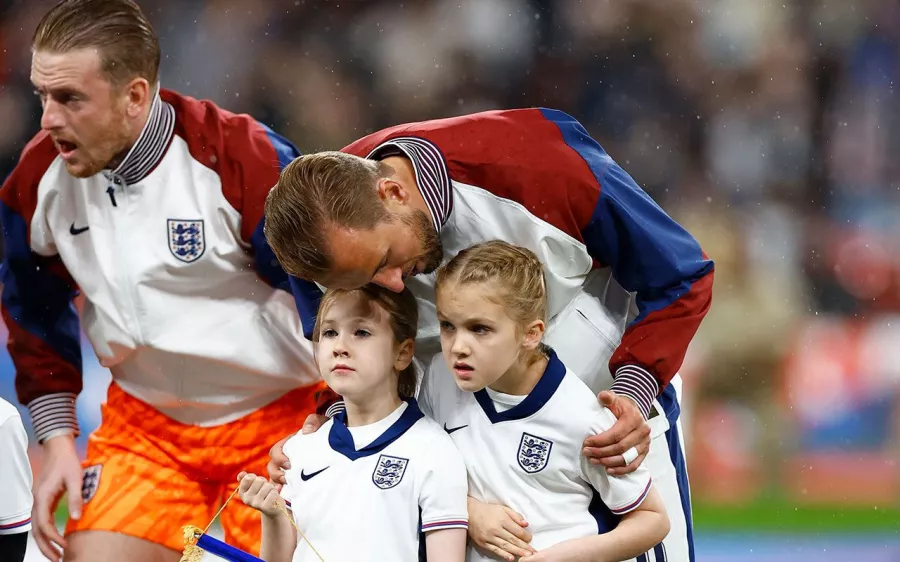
149 204
379 474
519 418
15 492
627 286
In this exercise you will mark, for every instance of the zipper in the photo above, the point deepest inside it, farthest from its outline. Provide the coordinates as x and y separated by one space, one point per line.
124 249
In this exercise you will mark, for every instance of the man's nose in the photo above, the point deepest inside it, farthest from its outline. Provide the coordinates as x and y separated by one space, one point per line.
391 279
51 118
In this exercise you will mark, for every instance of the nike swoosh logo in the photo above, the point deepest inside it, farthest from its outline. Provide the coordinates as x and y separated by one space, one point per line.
76 231
452 429
305 477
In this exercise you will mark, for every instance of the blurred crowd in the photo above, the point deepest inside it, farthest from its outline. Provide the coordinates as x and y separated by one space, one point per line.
766 127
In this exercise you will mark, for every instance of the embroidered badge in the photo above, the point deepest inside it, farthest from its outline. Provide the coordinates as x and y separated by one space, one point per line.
90 482
186 239
389 471
534 452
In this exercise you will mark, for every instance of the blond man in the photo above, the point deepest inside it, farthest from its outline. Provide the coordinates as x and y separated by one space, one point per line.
149 204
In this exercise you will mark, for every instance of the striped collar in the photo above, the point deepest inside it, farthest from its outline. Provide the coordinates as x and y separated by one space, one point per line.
150 146
432 176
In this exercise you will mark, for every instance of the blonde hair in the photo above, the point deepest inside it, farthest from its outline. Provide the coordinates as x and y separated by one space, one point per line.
403 316
128 45
514 272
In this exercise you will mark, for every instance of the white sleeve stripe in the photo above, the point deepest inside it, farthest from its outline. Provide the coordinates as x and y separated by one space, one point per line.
41 406
335 409
625 384
52 413
639 376
638 384
635 503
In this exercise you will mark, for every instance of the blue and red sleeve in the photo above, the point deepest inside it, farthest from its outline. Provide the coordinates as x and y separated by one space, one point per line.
651 255
37 304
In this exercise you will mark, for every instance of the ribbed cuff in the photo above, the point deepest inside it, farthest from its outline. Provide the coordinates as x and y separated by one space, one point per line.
638 384
335 409
52 415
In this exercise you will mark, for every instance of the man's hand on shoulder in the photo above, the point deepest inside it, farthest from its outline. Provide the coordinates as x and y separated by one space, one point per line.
623 447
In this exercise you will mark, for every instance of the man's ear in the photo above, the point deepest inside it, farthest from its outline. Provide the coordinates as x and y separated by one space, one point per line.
138 93
405 355
392 193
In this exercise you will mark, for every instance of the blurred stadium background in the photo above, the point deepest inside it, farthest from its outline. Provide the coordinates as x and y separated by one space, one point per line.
766 127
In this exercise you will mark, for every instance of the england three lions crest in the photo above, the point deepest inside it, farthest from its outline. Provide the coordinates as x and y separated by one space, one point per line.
389 471
186 239
90 481
534 452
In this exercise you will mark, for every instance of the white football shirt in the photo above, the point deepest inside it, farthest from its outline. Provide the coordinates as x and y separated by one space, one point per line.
527 455
15 473
371 492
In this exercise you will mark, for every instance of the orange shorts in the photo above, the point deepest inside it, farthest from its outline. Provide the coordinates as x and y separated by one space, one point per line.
146 475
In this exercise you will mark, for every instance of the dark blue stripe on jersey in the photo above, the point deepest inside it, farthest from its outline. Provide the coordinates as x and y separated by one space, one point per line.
605 518
36 299
641 558
667 399
266 264
341 440
306 296
423 551
265 261
648 252
285 150
659 552
540 394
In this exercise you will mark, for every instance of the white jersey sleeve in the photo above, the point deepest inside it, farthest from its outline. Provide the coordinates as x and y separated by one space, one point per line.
15 474
444 491
293 449
621 494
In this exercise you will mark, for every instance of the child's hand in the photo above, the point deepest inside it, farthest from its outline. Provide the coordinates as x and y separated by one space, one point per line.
498 530
259 493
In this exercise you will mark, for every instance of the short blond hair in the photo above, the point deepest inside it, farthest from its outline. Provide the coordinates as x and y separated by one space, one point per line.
118 29
514 272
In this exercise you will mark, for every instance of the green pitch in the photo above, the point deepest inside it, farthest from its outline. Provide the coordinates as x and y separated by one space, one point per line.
777 515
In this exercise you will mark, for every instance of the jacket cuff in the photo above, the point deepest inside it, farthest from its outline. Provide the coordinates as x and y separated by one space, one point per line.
53 414
638 384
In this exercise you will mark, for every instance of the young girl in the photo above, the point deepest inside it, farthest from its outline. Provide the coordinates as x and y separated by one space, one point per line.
375 478
519 419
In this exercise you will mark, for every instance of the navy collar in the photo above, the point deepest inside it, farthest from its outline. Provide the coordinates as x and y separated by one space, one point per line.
432 176
539 395
341 440
150 146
